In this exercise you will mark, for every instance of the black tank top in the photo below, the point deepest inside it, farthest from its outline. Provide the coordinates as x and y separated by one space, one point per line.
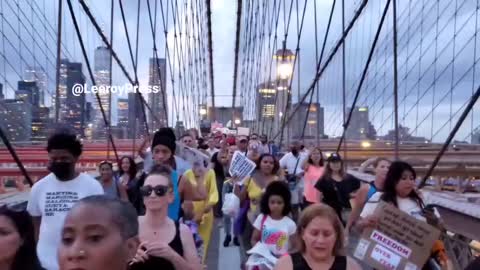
299 263
156 263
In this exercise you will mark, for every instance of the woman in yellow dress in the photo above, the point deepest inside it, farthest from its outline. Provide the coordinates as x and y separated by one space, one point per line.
203 210
252 189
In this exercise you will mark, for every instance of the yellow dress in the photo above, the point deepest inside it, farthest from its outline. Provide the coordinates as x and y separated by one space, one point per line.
255 195
206 226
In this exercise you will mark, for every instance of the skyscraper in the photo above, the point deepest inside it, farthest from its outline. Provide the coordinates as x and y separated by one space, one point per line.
40 77
28 91
16 115
315 113
72 107
224 115
359 124
136 124
102 78
156 100
266 105
122 112
41 123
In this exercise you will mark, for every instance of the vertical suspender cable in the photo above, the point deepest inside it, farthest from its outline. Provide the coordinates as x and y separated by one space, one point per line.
395 78
321 68
344 86
59 60
316 60
210 50
80 39
110 82
235 63
364 74
452 134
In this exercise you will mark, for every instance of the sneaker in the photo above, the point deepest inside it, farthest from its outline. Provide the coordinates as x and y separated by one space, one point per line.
227 240
235 241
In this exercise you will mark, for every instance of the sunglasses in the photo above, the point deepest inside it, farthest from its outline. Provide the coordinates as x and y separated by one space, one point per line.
159 190
243 141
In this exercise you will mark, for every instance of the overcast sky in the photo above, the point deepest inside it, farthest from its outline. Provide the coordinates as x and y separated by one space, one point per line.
425 54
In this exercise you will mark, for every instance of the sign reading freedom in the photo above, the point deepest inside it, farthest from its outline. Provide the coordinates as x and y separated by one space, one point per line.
400 241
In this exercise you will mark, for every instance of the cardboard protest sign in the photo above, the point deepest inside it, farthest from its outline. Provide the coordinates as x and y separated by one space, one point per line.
243 131
400 241
241 166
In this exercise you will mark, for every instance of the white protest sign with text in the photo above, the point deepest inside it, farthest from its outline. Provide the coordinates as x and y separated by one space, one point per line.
241 166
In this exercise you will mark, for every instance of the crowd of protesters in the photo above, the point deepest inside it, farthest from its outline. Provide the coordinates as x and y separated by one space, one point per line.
295 211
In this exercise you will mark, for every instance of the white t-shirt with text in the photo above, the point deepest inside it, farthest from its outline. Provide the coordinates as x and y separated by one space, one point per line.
407 205
51 200
276 233
289 162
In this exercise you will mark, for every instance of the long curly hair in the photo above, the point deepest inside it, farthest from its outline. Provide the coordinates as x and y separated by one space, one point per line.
26 257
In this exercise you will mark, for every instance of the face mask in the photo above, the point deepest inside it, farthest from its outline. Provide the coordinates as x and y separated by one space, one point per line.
62 170
294 152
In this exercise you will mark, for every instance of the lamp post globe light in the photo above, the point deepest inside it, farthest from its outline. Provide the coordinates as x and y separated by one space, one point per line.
284 64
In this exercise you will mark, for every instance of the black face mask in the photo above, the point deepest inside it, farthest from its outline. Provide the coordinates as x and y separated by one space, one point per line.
62 170
294 152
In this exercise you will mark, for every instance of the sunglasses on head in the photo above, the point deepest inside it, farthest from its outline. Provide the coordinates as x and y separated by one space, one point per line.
159 190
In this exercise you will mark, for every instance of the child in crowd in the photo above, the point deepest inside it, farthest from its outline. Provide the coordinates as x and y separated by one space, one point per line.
273 227
188 219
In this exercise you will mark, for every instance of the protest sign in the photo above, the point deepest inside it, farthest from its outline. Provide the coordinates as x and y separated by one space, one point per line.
399 241
241 166
243 131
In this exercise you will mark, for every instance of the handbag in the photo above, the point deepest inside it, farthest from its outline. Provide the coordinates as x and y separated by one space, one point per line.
292 178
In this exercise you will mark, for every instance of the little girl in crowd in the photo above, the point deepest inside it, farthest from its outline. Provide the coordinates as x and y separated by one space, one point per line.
274 227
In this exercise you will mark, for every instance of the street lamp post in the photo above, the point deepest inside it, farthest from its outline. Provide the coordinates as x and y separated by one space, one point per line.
284 58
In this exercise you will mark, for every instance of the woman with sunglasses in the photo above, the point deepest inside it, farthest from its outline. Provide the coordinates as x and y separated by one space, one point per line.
163 150
165 244
110 183
337 188
17 242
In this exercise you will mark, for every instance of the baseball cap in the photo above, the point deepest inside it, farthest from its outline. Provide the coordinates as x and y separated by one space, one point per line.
334 157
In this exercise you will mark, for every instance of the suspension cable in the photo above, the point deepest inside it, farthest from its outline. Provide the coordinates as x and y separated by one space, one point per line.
471 104
13 153
92 78
364 74
236 53
117 59
210 54
157 65
321 69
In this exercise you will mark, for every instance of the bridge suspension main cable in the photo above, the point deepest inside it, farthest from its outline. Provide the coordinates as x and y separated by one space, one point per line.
320 69
92 78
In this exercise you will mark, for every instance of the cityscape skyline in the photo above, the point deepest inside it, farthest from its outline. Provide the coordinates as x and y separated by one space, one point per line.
432 88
